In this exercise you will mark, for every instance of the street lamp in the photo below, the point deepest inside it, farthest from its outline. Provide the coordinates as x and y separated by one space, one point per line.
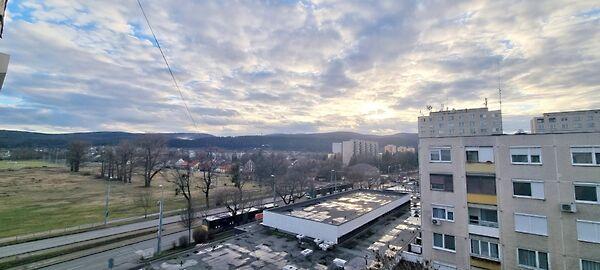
160 218
106 203
274 195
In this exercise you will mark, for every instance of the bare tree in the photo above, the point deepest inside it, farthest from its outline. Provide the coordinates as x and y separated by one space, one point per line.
146 201
362 175
296 182
125 161
182 179
76 154
152 150
237 201
208 165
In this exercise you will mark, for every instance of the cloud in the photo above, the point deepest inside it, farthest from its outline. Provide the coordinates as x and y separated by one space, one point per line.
292 66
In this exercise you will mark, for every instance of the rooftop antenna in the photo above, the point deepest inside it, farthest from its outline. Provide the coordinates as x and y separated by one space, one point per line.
485 102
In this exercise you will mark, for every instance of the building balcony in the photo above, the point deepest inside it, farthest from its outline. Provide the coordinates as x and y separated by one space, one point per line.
481 198
485 230
485 264
480 167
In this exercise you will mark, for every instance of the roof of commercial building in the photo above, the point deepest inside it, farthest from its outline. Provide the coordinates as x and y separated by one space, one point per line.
340 208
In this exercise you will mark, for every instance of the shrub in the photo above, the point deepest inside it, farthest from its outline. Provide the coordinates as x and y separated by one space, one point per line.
183 241
200 235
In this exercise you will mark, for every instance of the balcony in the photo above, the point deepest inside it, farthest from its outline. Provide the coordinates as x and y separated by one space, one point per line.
484 230
480 168
481 189
481 198
485 264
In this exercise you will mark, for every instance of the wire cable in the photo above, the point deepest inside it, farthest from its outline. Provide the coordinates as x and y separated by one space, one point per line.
168 67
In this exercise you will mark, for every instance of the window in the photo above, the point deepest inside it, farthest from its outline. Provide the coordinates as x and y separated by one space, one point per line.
532 224
589 156
485 249
440 155
526 155
443 241
532 259
587 192
481 184
588 231
552 120
480 154
443 212
589 265
528 189
441 182
483 217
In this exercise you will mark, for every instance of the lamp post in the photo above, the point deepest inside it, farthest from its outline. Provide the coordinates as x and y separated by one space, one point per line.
273 187
160 218
106 201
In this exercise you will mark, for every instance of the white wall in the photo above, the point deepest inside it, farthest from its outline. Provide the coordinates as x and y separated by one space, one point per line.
297 225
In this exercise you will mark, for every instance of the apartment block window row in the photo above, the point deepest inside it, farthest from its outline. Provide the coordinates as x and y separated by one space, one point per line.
528 189
533 224
480 154
444 242
440 154
479 184
485 249
588 231
589 265
441 182
442 212
587 192
585 156
526 155
533 259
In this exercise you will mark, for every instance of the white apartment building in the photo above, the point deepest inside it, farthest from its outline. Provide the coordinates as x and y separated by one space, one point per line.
527 201
390 148
463 122
564 122
357 148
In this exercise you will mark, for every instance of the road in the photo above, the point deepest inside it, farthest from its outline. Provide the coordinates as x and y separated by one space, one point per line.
21 248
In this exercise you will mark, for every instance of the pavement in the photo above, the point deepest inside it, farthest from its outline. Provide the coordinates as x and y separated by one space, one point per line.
31 246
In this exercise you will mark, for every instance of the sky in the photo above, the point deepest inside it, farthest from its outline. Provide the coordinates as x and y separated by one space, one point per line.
260 67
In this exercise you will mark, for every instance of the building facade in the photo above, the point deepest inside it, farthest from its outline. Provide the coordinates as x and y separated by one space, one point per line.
390 148
358 148
564 122
528 201
463 122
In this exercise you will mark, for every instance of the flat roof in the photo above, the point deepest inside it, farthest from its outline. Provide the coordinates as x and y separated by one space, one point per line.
341 207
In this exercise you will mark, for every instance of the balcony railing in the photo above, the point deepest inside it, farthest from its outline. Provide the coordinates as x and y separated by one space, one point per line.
484 223
480 167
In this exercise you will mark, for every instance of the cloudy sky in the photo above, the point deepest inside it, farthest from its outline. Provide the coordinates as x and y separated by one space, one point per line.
258 67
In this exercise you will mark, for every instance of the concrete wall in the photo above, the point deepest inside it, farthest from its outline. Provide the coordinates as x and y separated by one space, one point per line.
297 225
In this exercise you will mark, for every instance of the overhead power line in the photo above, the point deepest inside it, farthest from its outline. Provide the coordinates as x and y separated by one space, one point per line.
187 109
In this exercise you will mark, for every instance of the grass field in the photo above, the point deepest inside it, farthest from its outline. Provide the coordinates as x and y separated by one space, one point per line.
36 198
15 165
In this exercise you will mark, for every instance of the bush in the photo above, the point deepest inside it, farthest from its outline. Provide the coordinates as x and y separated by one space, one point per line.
183 241
200 235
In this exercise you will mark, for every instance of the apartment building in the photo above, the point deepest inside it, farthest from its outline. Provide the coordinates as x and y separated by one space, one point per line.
563 122
527 201
358 148
463 122
390 148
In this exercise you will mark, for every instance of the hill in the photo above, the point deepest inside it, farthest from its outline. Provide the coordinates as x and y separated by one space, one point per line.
316 142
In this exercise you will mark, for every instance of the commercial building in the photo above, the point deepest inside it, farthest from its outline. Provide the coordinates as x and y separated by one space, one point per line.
463 122
526 201
358 148
564 122
390 148
336 217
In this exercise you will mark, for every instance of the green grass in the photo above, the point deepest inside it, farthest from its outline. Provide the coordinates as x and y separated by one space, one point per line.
16 165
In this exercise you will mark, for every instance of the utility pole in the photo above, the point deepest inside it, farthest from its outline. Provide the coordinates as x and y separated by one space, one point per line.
160 219
274 194
106 204
334 176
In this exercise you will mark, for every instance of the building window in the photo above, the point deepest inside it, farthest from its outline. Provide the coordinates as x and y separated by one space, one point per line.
539 120
532 259
480 154
589 265
441 154
588 231
528 189
526 155
483 217
441 182
585 156
532 224
443 212
587 192
444 242
481 184
485 249
551 119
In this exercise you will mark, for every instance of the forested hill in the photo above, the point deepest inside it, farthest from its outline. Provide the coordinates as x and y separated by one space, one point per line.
317 142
